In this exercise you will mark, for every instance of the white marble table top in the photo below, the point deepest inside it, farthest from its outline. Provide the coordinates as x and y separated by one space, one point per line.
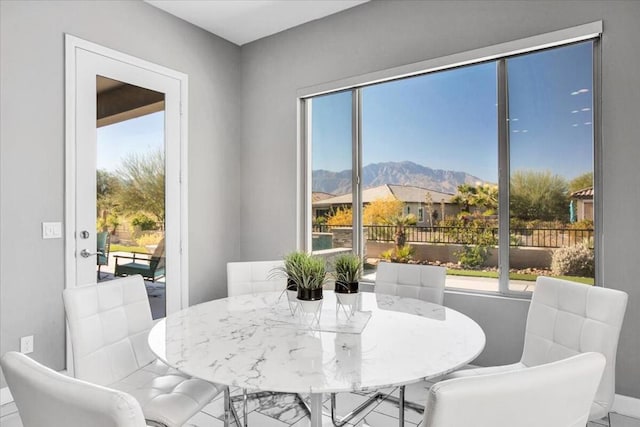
234 341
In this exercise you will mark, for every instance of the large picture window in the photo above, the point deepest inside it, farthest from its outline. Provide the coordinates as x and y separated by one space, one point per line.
487 169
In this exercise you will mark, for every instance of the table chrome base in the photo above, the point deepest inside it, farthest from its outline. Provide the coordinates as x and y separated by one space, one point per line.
258 394
400 401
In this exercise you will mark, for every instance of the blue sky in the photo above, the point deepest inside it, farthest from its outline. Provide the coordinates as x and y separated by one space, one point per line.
448 120
136 136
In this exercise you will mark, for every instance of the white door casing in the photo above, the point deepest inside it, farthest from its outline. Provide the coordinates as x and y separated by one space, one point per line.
83 62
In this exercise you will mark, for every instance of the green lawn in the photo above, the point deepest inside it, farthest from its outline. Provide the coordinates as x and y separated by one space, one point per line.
123 248
514 276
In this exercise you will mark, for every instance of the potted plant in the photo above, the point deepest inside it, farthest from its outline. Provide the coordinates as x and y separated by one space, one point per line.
309 274
348 268
291 263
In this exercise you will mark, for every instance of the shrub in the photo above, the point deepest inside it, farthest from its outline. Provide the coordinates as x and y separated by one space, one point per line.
473 256
584 224
403 255
143 221
575 260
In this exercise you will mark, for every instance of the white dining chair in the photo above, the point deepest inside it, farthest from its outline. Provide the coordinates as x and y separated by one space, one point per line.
425 282
556 394
45 397
250 277
254 276
567 318
108 325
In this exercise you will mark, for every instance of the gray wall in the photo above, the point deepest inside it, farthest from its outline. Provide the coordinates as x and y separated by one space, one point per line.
380 35
32 150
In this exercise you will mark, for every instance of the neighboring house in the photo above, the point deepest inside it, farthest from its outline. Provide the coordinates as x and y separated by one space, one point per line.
584 203
318 196
414 199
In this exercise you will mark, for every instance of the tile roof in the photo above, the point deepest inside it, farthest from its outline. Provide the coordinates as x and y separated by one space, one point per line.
405 193
316 196
585 193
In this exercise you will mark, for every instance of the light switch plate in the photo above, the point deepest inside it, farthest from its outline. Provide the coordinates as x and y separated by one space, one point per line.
51 230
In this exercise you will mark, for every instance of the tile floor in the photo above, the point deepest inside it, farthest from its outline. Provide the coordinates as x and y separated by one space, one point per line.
282 410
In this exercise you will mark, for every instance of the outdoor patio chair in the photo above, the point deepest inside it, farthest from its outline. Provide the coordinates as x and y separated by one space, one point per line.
103 244
108 325
567 318
150 267
556 394
45 397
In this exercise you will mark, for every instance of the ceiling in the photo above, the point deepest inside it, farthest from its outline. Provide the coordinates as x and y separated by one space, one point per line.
243 21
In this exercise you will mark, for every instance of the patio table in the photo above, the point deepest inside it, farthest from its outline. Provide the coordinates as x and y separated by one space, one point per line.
246 341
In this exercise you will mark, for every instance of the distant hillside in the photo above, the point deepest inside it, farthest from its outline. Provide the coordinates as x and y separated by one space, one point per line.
401 173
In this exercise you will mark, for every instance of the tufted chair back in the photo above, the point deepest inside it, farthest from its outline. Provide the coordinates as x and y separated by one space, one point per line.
109 324
567 318
425 282
556 394
45 397
254 276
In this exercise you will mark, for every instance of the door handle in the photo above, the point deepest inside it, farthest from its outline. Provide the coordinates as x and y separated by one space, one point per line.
86 254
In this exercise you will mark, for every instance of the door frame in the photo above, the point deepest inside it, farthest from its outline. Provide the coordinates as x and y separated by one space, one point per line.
179 186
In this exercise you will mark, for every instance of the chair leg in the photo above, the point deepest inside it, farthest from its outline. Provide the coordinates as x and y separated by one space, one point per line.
227 406
244 407
401 407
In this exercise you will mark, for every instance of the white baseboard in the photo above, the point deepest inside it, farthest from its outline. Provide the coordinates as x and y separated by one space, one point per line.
625 405
5 396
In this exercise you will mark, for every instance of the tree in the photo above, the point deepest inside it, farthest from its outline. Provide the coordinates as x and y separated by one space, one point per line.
340 217
580 182
143 183
428 204
380 211
400 222
486 197
483 196
107 188
538 196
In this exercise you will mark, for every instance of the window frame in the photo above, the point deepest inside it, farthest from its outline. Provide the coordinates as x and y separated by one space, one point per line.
499 53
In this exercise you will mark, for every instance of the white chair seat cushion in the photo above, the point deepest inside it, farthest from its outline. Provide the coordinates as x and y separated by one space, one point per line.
166 395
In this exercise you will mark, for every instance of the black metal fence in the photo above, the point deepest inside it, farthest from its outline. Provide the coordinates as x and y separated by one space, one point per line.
523 237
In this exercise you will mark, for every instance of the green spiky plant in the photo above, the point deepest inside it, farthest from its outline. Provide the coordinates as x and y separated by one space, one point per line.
348 268
302 269
307 271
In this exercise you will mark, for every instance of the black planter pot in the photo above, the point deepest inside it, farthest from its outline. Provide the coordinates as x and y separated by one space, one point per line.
346 287
291 285
309 294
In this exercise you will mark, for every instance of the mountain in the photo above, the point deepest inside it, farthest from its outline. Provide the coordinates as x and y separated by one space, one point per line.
401 173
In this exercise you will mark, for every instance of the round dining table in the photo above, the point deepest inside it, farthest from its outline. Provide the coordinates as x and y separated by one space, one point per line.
267 342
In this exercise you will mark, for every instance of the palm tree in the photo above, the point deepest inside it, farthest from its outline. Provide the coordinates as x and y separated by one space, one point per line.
400 222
